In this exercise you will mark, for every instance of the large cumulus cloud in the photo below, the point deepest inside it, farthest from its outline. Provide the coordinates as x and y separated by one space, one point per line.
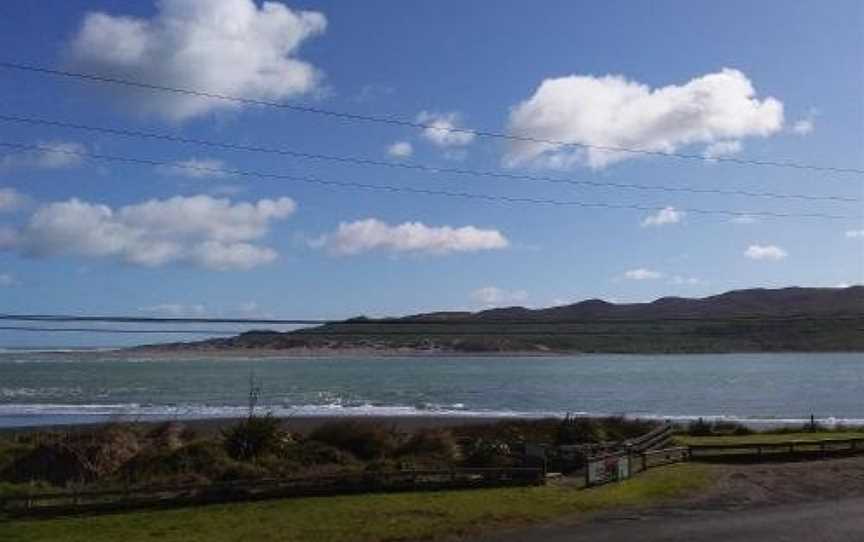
715 110
228 47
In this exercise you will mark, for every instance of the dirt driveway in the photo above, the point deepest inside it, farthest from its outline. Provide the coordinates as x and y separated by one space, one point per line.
808 501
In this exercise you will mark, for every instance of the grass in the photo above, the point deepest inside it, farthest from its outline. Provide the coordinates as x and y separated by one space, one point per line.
766 438
382 517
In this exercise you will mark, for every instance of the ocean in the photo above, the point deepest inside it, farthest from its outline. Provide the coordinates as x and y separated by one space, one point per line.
42 388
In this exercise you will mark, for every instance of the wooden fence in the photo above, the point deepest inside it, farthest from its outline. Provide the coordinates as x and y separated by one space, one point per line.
171 495
774 450
651 440
614 467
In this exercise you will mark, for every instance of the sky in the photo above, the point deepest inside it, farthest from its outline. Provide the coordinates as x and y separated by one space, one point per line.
184 234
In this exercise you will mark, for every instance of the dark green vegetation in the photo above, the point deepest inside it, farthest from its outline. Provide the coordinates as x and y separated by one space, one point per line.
137 455
701 432
365 518
785 320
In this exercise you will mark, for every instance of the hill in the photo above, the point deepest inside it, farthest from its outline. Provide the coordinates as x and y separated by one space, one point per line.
754 320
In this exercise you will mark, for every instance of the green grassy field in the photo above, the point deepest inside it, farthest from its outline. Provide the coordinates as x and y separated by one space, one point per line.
766 438
404 516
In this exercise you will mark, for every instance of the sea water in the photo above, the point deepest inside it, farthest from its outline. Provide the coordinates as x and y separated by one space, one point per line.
38 388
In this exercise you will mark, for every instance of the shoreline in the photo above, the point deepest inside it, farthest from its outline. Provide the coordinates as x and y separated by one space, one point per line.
244 354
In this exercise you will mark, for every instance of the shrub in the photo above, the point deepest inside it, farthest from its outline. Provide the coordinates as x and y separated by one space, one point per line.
365 440
168 435
253 437
699 428
742 430
309 453
78 457
435 443
573 430
199 460
621 428
487 453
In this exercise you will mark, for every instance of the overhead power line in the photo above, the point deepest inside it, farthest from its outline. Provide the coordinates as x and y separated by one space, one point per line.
396 121
119 330
388 333
409 165
389 322
424 191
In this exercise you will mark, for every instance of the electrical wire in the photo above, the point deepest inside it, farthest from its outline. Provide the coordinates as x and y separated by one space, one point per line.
423 191
409 165
395 121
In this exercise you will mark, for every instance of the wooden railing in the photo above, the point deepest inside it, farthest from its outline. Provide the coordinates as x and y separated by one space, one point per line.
167 495
650 440
665 456
766 449
616 466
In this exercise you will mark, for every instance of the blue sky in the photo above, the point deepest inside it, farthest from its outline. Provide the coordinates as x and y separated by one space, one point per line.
84 236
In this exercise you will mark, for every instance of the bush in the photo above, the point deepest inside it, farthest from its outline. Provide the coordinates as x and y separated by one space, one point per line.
482 453
435 443
621 428
367 441
312 452
699 428
573 430
742 430
168 435
77 457
254 437
197 461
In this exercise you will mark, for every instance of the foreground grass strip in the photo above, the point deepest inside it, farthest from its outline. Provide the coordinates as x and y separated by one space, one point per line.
403 516
766 438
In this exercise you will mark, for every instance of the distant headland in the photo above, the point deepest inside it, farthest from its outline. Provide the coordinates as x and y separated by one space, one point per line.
753 320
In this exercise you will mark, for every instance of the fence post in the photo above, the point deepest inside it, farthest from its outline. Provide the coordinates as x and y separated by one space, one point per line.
644 461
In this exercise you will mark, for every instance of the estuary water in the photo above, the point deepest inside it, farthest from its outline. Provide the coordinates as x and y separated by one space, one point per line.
38 388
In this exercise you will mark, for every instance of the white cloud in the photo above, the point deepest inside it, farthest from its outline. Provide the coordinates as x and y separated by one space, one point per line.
744 219
226 189
371 234
199 230
176 310
229 47
440 129
52 155
612 111
643 274
7 280
765 252
196 168
667 215
372 91
855 234
11 200
806 124
679 280
227 256
493 296
803 126
722 148
400 149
